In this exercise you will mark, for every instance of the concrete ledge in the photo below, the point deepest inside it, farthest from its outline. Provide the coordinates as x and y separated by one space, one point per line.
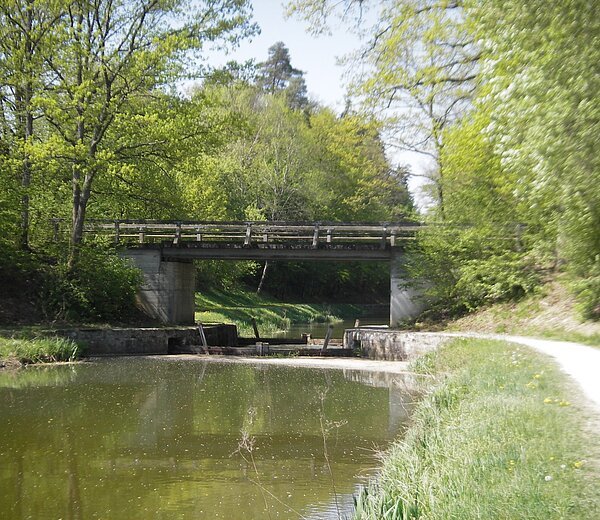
392 345
148 341
131 341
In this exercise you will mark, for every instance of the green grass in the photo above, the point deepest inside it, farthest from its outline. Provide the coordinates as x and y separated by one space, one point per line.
496 438
271 315
38 350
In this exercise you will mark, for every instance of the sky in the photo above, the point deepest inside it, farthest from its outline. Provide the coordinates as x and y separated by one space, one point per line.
317 57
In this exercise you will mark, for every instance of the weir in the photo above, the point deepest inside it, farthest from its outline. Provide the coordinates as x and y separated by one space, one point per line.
165 251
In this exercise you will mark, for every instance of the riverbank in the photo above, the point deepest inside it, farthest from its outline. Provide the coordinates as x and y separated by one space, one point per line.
271 315
16 352
502 434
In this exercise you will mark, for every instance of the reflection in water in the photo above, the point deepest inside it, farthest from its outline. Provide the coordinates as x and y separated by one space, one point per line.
160 438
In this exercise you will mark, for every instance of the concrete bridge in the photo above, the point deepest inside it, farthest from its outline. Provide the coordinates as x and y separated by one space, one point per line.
165 251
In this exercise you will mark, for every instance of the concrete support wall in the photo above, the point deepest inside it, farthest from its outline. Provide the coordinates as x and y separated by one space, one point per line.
167 292
404 301
392 345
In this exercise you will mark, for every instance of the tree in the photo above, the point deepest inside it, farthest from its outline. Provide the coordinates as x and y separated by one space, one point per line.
417 68
277 75
543 87
26 37
115 53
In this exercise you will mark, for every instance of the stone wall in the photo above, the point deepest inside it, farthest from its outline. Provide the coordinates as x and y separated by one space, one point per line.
148 341
392 345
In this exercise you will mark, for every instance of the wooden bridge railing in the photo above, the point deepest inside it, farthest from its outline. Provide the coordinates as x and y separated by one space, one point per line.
249 234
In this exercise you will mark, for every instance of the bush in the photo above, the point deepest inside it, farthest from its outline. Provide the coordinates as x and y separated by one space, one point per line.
102 288
468 267
587 291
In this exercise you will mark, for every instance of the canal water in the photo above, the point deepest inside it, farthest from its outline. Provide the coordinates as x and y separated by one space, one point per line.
318 330
165 438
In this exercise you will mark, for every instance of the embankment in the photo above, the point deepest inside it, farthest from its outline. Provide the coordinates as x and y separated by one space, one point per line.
502 433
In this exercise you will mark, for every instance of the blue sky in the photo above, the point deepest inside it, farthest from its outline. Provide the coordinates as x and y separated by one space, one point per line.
315 56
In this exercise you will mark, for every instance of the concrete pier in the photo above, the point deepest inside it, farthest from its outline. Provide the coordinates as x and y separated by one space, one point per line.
404 301
167 291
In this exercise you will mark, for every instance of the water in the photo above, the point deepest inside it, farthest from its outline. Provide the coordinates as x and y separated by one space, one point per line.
141 438
318 330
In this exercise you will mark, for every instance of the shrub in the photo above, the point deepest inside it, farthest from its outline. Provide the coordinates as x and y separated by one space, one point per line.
587 291
468 267
102 287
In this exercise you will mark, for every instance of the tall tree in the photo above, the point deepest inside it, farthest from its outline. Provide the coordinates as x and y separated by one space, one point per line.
416 69
115 52
277 75
26 37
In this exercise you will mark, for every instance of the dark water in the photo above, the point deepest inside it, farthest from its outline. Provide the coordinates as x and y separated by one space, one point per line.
160 438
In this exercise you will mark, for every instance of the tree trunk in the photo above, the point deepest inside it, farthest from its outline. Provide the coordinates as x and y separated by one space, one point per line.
26 119
81 196
25 184
262 278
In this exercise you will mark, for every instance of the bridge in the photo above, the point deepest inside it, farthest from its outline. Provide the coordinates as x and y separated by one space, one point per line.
165 251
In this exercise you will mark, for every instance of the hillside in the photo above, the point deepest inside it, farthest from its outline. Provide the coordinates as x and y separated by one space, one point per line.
550 312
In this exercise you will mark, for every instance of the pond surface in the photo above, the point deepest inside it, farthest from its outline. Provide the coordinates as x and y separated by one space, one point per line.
141 438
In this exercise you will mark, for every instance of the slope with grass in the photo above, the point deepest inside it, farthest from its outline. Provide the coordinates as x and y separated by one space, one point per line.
551 313
272 315
496 437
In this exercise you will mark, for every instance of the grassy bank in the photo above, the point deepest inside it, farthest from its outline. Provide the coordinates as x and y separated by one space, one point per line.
14 352
549 313
496 438
271 315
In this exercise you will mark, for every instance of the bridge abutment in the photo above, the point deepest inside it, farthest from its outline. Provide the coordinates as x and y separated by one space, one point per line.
167 291
405 303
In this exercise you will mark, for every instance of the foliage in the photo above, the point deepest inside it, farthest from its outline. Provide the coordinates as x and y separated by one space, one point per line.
494 438
588 293
102 288
39 350
504 96
469 267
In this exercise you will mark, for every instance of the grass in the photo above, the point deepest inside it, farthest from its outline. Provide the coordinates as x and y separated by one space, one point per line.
37 350
271 315
549 313
495 438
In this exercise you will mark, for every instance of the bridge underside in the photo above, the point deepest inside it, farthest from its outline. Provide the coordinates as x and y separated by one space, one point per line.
168 290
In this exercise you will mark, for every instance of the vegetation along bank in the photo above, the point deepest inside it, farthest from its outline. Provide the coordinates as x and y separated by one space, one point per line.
497 436
19 352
